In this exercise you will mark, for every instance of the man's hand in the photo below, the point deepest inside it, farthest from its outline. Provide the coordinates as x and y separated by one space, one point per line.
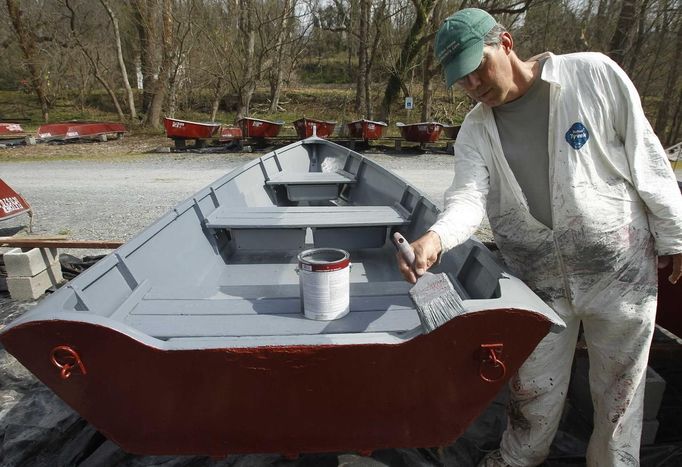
664 261
426 251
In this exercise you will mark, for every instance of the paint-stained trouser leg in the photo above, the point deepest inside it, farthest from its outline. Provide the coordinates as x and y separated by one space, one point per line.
537 394
618 345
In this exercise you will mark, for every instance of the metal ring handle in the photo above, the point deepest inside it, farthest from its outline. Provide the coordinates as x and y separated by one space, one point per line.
66 359
489 360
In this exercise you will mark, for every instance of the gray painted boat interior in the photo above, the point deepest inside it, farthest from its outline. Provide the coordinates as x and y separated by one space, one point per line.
219 270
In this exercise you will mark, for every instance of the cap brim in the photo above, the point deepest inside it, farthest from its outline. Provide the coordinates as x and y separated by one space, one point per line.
463 63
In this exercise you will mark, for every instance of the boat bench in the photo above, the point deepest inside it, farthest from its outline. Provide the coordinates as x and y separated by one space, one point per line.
311 186
284 227
267 311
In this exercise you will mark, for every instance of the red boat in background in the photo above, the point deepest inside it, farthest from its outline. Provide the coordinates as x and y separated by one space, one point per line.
12 203
11 130
230 133
451 131
258 128
79 130
304 127
366 129
424 132
184 129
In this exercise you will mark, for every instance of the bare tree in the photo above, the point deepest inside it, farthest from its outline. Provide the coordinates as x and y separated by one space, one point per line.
121 62
27 42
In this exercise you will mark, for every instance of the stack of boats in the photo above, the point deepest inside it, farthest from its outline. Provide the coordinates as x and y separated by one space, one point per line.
13 134
261 129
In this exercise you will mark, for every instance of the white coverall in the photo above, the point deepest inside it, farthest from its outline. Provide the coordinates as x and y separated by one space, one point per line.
615 206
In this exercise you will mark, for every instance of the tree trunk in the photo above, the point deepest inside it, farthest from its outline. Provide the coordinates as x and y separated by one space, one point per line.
121 63
248 85
282 38
620 41
410 50
27 43
671 90
147 32
363 69
153 117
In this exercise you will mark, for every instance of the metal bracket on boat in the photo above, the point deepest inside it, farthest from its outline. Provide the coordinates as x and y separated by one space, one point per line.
492 368
66 359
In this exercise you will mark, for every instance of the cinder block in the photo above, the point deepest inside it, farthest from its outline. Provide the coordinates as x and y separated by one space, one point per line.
30 288
27 262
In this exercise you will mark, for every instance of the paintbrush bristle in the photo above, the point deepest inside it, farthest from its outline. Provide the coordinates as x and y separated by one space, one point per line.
436 300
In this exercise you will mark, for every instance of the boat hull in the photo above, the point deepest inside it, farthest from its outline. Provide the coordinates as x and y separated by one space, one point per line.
256 128
451 131
230 133
78 130
11 130
189 130
288 399
304 128
11 203
366 129
421 132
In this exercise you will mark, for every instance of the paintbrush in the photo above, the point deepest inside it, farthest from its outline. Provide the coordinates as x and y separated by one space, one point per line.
433 295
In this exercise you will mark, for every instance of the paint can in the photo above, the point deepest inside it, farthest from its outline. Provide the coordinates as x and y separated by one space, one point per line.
324 279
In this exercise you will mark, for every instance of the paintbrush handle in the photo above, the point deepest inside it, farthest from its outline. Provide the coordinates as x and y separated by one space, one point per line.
404 248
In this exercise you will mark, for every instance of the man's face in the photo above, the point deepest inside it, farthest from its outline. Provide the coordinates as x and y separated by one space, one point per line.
492 81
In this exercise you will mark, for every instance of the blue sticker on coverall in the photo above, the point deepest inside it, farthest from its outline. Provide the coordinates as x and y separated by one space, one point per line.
577 135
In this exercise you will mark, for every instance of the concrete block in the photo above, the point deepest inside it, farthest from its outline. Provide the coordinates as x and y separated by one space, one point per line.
27 262
30 288
3 284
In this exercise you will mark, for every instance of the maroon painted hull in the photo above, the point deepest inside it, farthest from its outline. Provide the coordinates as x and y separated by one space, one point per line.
289 399
366 129
78 130
451 131
256 128
426 132
184 129
11 203
230 133
304 128
11 130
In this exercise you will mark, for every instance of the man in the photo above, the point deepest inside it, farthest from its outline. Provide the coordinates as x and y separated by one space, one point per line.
581 199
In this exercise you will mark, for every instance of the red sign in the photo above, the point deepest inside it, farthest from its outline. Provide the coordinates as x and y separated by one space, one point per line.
11 202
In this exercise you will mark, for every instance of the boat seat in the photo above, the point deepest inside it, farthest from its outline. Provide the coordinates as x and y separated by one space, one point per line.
251 310
283 227
311 186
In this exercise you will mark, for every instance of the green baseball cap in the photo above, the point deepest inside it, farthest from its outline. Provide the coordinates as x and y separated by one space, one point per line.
459 42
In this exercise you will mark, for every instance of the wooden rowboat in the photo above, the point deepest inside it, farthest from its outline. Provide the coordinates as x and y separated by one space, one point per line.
189 339
306 127
366 129
12 203
424 132
79 130
11 130
451 131
184 129
230 133
259 128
